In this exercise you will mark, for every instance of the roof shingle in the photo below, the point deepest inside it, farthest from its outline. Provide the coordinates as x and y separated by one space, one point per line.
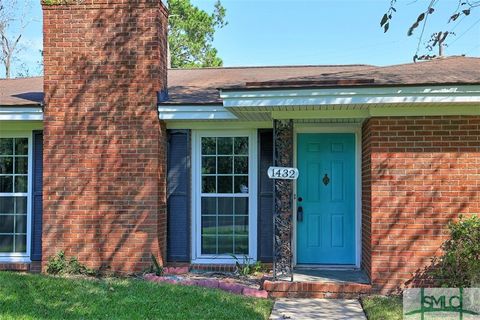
200 86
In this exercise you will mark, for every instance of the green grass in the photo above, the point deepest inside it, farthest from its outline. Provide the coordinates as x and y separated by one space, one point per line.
382 308
28 296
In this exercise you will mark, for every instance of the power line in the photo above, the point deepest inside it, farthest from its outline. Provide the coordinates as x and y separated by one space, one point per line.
472 48
456 25
460 36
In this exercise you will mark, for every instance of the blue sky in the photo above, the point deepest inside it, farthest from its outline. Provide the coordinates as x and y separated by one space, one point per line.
281 32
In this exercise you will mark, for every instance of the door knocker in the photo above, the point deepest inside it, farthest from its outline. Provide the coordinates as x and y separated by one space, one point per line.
326 179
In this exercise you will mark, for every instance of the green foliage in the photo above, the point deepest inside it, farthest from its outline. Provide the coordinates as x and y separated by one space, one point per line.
156 267
61 265
56 2
246 268
33 296
191 32
460 264
383 307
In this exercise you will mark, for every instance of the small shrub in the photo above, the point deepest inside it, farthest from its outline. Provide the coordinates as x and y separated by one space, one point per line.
245 268
459 266
59 264
156 267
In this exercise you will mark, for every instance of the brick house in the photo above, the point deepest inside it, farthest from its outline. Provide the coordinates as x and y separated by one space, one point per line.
111 157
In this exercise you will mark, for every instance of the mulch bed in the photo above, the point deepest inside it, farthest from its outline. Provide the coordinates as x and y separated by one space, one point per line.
244 285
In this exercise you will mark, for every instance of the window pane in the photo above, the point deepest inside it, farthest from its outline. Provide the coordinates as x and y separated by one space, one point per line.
209 245
6 165
208 165
20 243
225 245
6 243
225 184
6 184
225 146
21 184
209 146
241 165
209 225
241 184
225 225
6 224
241 145
21 203
7 205
21 165
21 146
241 245
241 206
241 225
6 146
225 165
208 184
209 206
224 220
225 206
20 224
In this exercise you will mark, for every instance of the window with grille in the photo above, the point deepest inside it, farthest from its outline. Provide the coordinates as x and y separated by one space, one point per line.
13 195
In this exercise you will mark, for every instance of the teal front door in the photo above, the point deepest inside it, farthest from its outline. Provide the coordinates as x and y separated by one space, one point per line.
326 198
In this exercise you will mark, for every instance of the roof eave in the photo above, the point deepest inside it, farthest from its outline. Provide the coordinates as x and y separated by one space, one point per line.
446 93
27 112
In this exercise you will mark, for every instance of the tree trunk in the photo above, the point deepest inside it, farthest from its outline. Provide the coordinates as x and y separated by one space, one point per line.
7 67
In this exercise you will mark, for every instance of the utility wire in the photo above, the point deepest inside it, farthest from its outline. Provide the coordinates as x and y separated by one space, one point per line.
460 36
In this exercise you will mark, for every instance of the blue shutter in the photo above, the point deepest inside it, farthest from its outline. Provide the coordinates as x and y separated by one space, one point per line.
37 209
178 196
265 197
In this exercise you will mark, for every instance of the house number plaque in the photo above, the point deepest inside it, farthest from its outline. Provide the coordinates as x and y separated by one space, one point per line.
283 173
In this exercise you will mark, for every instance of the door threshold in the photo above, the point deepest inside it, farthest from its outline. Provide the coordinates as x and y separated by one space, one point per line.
325 267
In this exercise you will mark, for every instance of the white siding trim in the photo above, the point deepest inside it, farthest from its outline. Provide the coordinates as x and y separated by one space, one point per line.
342 96
21 113
218 125
189 112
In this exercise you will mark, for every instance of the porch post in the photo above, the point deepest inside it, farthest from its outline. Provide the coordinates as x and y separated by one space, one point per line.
283 200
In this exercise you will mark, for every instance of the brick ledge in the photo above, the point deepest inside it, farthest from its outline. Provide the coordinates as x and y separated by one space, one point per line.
34 266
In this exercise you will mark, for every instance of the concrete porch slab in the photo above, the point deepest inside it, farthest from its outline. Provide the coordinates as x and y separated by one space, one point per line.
320 283
319 275
303 309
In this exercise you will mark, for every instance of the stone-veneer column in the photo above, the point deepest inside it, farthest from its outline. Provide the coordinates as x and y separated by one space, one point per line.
283 197
104 149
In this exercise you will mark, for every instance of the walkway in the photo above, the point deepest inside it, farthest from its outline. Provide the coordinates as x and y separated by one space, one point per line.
303 309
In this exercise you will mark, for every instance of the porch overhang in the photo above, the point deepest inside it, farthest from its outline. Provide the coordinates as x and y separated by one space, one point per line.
353 102
332 103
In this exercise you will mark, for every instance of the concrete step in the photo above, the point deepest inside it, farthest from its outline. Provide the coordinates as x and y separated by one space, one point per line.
315 289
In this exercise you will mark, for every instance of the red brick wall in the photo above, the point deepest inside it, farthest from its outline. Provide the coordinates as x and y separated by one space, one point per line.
419 173
104 166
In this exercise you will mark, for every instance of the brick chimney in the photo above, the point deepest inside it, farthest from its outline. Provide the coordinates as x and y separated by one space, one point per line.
104 146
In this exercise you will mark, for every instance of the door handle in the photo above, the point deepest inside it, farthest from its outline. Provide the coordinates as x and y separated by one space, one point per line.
300 214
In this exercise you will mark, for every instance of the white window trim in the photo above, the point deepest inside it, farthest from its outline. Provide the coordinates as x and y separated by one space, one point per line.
23 257
196 257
